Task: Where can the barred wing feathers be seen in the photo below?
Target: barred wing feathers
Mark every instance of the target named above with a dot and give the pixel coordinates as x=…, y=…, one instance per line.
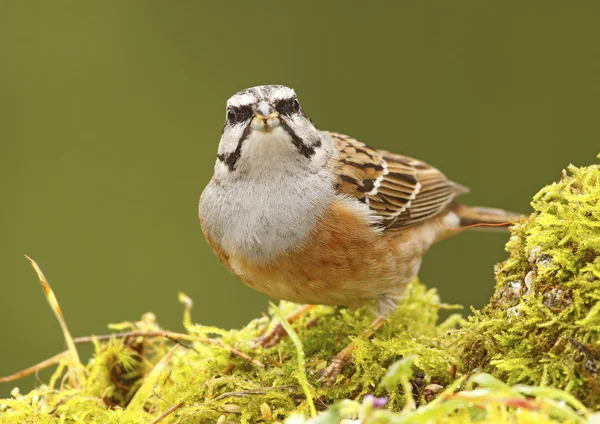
x=401, y=190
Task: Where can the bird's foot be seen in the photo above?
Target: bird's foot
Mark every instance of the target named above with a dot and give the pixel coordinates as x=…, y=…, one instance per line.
x=330, y=373
x=343, y=357
x=273, y=337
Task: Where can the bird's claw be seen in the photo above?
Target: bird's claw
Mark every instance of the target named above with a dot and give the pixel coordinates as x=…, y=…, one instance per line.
x=272, y=338
x=330, y=373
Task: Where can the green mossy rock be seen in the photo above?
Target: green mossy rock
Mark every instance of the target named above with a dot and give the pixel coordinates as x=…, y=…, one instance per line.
x=530, y=356
x=542, y=325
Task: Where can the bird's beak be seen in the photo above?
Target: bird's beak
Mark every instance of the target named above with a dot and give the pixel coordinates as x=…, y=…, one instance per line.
x=265, y=118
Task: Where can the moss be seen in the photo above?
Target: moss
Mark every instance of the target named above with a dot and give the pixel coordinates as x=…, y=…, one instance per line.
x=537, y=342
x=211, y=382
x=542, y=324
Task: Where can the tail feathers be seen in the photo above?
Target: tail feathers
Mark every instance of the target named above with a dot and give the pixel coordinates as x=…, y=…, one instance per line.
x=486, y=218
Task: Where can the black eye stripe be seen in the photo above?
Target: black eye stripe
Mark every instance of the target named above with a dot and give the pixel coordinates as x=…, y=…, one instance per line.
x=242, y=113
x=287, y=106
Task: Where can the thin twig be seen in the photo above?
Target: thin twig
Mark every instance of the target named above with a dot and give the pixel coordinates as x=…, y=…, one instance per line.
x=167, y=413
x=182, y=344
x=174, y=336
x=35, y=368
x=245, y=393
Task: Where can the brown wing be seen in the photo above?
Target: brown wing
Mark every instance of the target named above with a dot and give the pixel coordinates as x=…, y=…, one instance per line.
x=401, y=190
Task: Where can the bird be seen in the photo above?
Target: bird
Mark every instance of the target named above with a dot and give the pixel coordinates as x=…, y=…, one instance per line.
x=320, y=218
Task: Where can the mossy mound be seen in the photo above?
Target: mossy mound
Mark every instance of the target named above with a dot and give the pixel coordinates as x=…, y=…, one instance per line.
x=209, y=381
x=540, y=328
x=542, y=325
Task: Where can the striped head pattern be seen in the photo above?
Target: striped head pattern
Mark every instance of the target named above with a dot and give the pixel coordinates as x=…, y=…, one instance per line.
x=267, y=130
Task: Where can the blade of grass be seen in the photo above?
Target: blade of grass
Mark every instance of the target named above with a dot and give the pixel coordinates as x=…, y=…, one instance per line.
x=439, y=407
x=187, y=311
x=301, y=371
x=76, y=376
x=400, y=372
x=136, y=406
x=550, y=392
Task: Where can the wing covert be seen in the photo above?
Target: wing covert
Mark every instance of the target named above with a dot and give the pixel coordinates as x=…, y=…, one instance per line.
x=401, y=190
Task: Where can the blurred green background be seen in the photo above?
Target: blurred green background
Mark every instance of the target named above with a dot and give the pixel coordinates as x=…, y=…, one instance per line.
x=110, y=116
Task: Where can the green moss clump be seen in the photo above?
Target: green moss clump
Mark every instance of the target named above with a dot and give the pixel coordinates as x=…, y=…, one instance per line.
x=542, y=325
x=210, y=382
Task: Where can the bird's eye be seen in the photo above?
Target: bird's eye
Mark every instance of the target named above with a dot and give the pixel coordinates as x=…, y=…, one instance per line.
x=231, y=117
x=288, y=106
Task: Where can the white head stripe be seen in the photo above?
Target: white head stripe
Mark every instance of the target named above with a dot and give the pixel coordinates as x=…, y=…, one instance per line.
x=261, y=92
x=241, y=100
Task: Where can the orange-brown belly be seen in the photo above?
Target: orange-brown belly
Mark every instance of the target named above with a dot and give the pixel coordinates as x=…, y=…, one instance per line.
x=346, y=262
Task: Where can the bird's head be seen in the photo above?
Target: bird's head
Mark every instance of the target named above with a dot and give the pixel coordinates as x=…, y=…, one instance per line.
x=266, y=131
